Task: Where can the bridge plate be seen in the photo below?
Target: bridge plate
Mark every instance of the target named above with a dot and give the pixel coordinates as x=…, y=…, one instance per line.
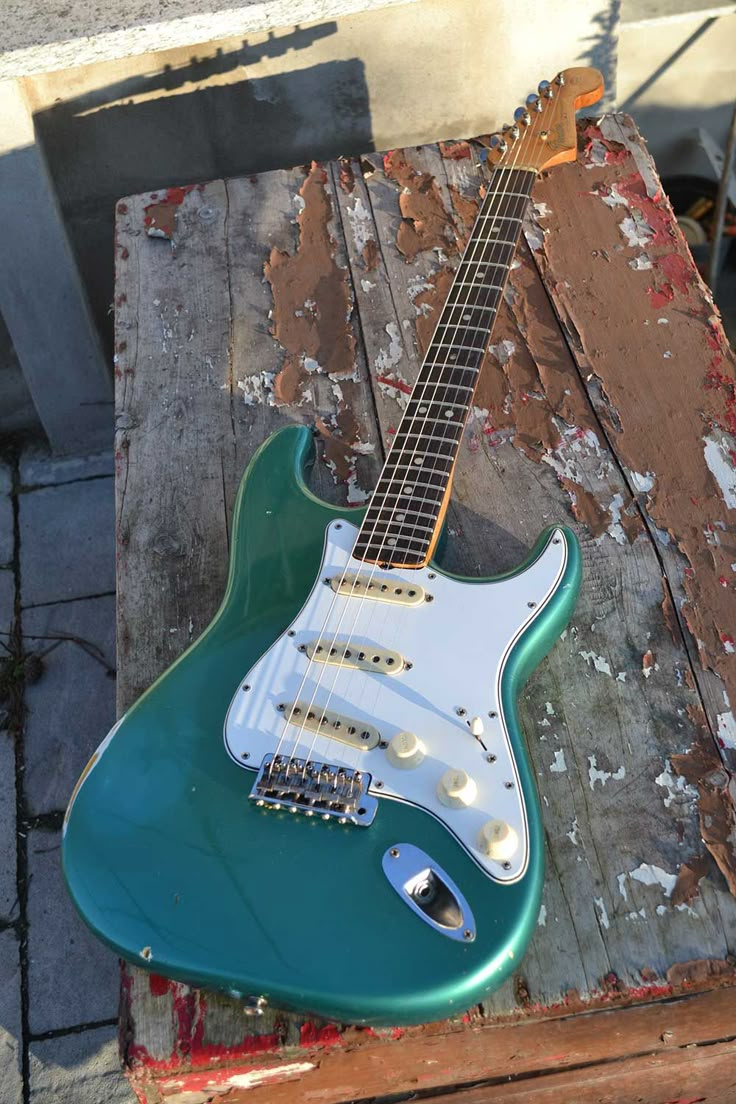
x=314, y=789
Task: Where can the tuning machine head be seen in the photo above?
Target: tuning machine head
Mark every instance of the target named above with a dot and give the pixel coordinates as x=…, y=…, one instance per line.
x=522, y=116
x=533, y=102
x=545, y=89
x=498, y=143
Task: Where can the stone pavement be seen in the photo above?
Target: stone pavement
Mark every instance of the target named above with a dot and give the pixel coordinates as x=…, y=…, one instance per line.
x=58, y=985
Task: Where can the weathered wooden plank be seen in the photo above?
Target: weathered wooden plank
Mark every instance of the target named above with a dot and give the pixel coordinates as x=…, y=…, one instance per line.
x=606, y=716
x=577, y=1050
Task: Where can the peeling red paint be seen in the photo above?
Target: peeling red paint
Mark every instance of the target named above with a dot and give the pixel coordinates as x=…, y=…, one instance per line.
x=159, y=217
x=396, y=384
x=158, y=985
x=311, y=1034
x=455, y=151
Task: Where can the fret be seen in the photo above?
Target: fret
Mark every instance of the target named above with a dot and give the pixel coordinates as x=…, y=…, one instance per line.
x=477, y=283
x=400, y=526
x=452, y=345
x=464, y=325
x=442, y=402
x=414, y=513
x=435, y=421
x=413, y=461
x=392, y=541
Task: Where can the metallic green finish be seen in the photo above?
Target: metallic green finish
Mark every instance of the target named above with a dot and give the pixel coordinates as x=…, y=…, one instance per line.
x=163, y=850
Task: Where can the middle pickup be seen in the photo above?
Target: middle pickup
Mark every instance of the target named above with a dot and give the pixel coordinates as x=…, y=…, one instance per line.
x=362, y=657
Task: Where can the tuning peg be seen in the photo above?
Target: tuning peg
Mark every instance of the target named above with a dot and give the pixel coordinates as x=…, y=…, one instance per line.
x=545, y=89
x=511, y=132
x=497, y=143
x=559, y=80
x=534, y=102
x=521, y=115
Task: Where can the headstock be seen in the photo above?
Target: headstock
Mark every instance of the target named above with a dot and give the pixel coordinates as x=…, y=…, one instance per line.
x=543, y=131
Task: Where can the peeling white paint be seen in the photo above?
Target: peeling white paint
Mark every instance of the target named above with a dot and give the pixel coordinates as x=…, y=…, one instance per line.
x=367, y=285
x=727, y=729
x=541, y=210
x=648, y=874
x=641, y=263
x=258, y=388
x=677, y=787
x=275, y=1073
x=721, y=468
x=616, y=529
x=387, y=359
x=545, y=723
x=621, y=879
x=642, y=484
x=573, y=835
x=549, y=709
x=599, y=662
x=602, y=776
x=356, y=494
x=602, y=912
x=542, y=921
x=621, y=676
x=613, y=197
x=559, y=766
x=299, y=202
x=503, y=351
x=361, y=224
x=636, y=230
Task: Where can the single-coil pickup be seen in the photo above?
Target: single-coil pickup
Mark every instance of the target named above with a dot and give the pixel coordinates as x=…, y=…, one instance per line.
x=325, y=722
x=363, y=657
x=379, y=589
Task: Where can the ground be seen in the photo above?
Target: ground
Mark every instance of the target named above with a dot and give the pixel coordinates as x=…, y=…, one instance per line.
x=58, y=985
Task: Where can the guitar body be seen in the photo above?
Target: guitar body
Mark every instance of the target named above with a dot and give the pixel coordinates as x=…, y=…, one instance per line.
x=176, y=868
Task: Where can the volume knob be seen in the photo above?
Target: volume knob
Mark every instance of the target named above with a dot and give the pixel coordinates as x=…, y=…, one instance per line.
x=498, y=840
x=456, y=789
x=405, y=751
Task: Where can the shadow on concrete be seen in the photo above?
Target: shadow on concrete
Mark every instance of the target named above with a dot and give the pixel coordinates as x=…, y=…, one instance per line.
x=168, y=133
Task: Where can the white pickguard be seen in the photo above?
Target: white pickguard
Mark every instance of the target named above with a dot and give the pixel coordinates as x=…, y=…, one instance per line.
x=457, y=644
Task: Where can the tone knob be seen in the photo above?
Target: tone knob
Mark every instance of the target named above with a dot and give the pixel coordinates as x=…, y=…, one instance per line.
x=456, y=789
x=405, y=750
x=498, y=840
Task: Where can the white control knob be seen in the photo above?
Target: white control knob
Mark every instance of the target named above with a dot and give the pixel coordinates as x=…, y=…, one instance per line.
x=405, y=751
x=456, y=789
x=498, y=840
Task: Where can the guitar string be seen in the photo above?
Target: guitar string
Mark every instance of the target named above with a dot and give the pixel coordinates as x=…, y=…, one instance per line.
x=346, y=605
x=479, y=242
x=528, y=132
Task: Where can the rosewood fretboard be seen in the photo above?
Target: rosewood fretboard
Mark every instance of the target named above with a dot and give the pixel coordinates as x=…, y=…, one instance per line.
x=405, y=512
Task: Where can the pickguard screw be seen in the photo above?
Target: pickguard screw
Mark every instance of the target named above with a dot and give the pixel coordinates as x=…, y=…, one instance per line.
x=302, y=647
x=245, y=755
x=378, y=785
x=509, y=785
x=408, y=666
x=490, y=758
x=555, y=540
x=339, y=525
x=291, y=632
x=429, y=598
x=460, y=711
x=246, y=687
x=383, y=744
x=394, y=852
x=467, y=934
x=431, y=575
x=492, y=713
x=506, y=865
x=532, y=605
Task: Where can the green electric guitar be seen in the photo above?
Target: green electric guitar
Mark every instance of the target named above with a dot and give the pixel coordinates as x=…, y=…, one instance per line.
x=326, y=804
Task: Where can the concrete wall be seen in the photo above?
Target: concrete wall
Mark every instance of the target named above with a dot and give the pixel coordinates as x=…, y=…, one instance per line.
x=399, y=76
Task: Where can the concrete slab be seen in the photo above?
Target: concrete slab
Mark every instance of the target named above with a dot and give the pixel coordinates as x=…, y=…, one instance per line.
x=83, y=1068
x=7, y=599
x=72, y=978
x=72, y=706
x=8, y=889
x=40, y=468
x=10, y=1068
x=67, y=541
x=6, y=521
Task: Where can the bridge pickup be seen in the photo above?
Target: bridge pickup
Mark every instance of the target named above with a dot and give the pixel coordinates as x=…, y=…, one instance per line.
x=401, y=593
x=314, y=789
x=343, y=653
x=326, y=722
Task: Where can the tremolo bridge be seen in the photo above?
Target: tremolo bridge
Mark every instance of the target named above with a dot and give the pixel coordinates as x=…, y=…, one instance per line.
x=314, y=789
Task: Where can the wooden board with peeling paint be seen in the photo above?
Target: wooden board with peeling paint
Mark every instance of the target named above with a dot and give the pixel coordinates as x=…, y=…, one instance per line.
x=607, y=400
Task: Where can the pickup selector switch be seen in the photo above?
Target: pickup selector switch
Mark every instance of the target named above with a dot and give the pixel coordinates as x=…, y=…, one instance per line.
x=498, y=840
x=405, y=751
x=456, y=789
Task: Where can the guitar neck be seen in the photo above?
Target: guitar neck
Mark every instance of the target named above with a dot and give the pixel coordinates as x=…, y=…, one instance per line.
x=403, y=520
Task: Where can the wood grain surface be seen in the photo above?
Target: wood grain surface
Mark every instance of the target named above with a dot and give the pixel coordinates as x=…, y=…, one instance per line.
x=606, y=401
